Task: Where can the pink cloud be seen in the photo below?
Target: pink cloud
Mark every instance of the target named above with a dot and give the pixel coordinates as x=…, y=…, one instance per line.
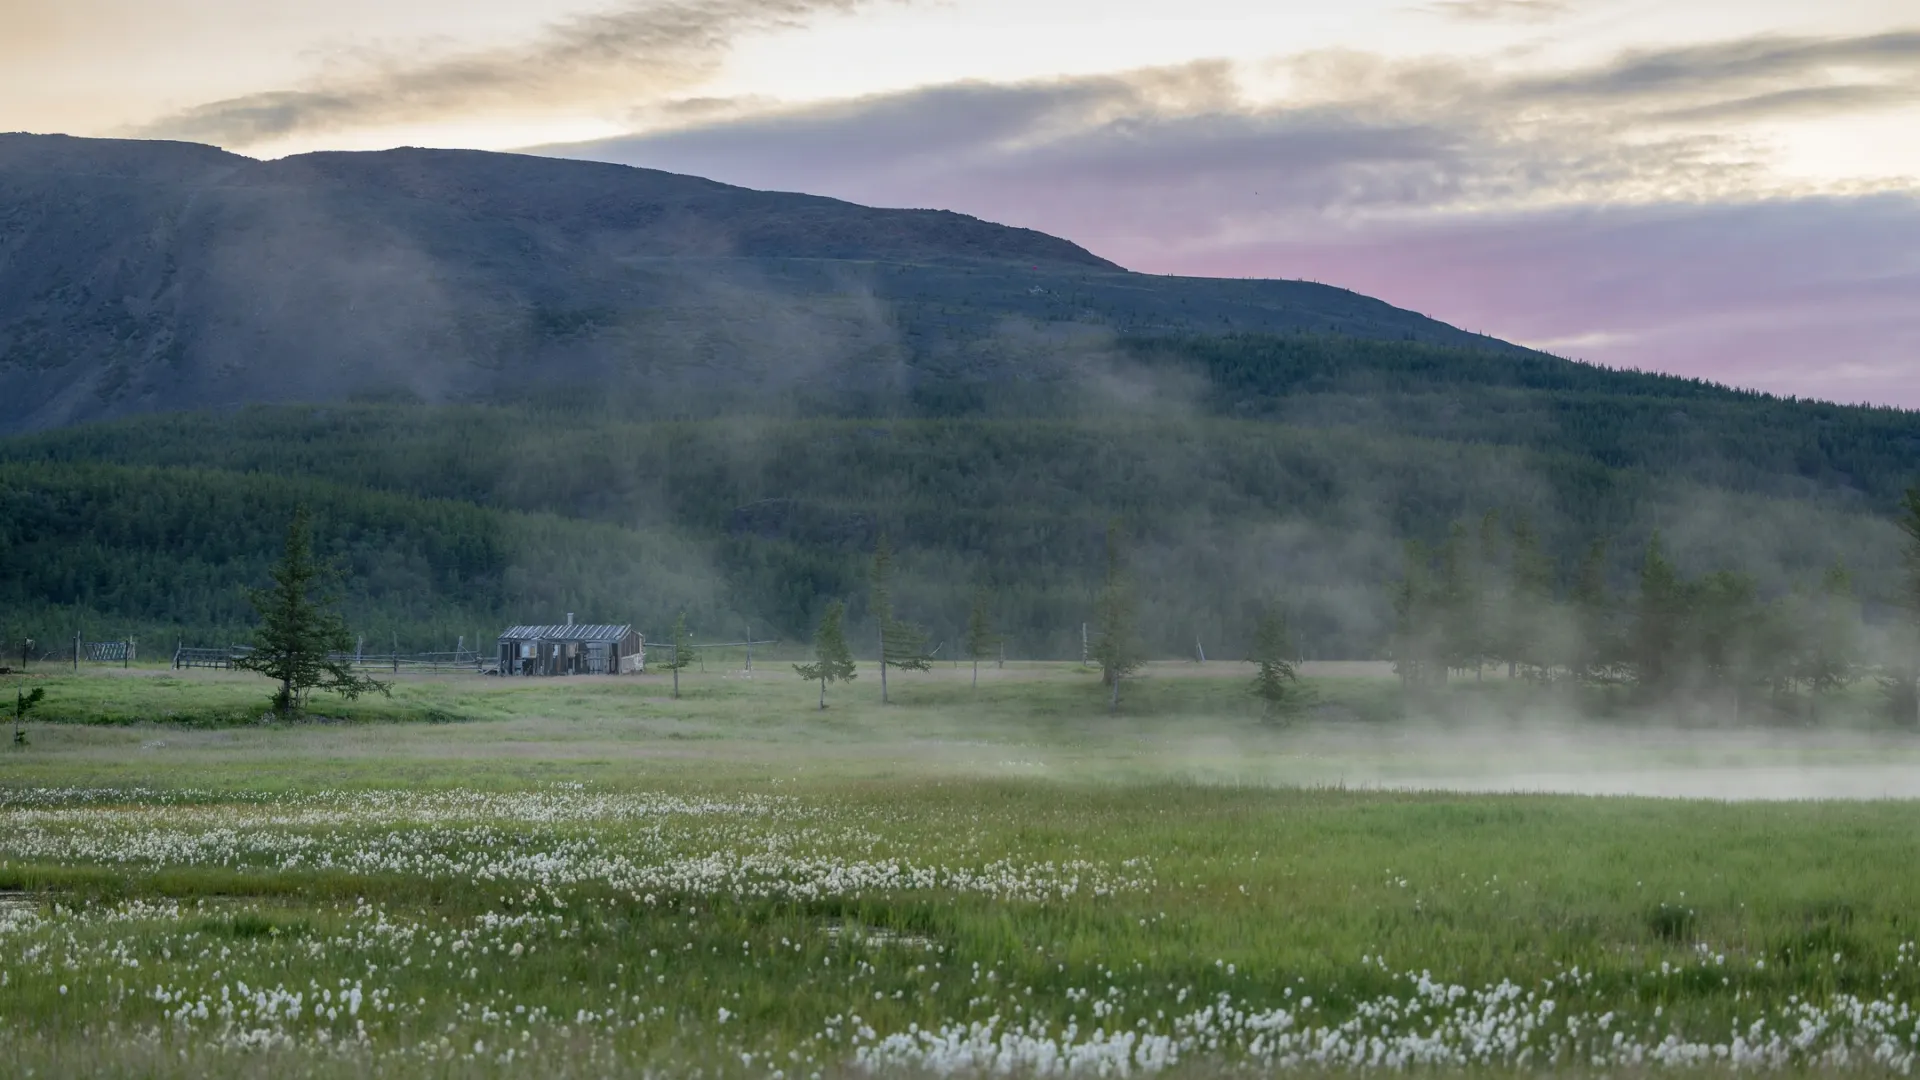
x=1809, y=296
x=1817, y=298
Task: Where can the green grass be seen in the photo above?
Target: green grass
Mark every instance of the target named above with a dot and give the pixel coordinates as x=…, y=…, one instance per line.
x=658, y=861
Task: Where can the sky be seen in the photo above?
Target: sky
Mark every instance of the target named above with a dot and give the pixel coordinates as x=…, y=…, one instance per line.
x=1727, y=189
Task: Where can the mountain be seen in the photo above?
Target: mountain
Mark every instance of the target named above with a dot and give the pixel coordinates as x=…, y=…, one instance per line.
x=150, y=276
x=514, y=387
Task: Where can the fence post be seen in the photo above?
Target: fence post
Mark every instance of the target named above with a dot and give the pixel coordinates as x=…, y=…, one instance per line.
x=76, y=653
x=749, y=648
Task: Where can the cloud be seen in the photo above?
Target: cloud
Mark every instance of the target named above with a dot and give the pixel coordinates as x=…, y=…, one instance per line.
x=1499, y=10
x=1607, y=211
x=622, y=57
x=1736, y=68
x=1808, y=296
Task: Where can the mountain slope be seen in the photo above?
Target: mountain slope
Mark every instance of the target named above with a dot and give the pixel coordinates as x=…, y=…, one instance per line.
x=766, y=519
x=152, y=276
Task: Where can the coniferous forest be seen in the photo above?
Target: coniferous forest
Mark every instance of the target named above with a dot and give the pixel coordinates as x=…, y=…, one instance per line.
x=1453, y=509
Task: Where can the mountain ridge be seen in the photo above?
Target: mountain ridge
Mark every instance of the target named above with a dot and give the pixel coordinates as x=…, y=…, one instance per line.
x=139, y=277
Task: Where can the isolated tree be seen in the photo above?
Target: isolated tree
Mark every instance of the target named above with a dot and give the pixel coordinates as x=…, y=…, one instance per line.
x=1276, y=683
x=1900, y=680
x=981, y=639
x=902, y=644
x=1116, y=646
x=1829, y=654
x=832, y=660
x=1726, y=639
x=1594, y=647
x=1462, y=604
x=1658, y=611
x=23, y=703
x=682, y=649
x=1528, y=607
x=1486, y=593
x=1413, y=623
x=299, y=628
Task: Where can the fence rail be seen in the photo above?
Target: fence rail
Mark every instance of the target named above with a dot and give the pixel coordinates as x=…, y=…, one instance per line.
x=185, y=657
x=457, y=660
x=103, y=652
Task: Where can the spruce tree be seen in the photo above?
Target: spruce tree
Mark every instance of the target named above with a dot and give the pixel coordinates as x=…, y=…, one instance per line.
x=682, y=649
x=1116, y=647
x=300, y=632
x=1277, y=680
x=23, y=703
x=1413, y=623
x=1459, y=597
x=1829, y=656
x=902, y=644
x=1594, y=646
x=1486, y=588
x=1654, y=648
x=1900, y=680
x=1724, y=638
x=981, y=638
x=1528, y=607
x=832, y=660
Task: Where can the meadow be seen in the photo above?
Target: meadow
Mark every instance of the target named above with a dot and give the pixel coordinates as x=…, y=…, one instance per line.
x=589, y=877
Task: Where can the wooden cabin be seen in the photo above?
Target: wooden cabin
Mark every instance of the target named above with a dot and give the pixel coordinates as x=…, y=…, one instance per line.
x=572, y=648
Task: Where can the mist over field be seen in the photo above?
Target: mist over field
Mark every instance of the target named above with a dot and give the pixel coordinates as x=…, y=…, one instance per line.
x=477, y=614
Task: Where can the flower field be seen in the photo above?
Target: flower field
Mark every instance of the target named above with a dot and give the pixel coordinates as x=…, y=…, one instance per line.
x=239, y=911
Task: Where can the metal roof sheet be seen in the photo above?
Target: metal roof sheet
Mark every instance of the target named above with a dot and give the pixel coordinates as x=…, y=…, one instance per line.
x=567, y=632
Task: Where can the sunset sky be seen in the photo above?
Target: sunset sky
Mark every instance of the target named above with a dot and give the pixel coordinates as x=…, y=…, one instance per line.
x=1716, y=188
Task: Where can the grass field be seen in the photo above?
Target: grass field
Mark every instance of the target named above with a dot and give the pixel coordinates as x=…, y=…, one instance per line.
x=588, y=877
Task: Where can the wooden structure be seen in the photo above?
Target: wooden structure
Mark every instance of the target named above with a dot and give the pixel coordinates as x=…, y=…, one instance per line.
x=572, y=648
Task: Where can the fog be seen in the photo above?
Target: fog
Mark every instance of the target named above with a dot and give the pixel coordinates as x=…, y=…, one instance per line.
x=1741, y=764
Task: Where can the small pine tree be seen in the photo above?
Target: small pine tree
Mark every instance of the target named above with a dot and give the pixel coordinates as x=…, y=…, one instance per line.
x=1594, y=647
x=1529, y=602
x=1116, y=647
x=1486, y=583
x=981, y=640
x=299, y=628
x=1413, y=630
x=1277, y=681
x=23, y=703
x=1657, y=621
x=1900, y=679
x=1461, y=624
x=682, y=649
x=1832, y=648
x=833, y=661
x=902, y=644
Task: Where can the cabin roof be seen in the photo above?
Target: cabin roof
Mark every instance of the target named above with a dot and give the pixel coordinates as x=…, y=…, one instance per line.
x=567, y=632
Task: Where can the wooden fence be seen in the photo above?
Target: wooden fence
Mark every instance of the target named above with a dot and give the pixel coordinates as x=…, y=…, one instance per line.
x=459, y=660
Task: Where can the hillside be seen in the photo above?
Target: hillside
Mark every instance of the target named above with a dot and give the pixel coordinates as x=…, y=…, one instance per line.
x=513, y=387
x=142, y=276
x=139, y=522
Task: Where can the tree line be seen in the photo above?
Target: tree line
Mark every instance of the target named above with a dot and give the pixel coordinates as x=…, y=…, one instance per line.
x=508, y=511
x=1489, y=596
x=1115, y=646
